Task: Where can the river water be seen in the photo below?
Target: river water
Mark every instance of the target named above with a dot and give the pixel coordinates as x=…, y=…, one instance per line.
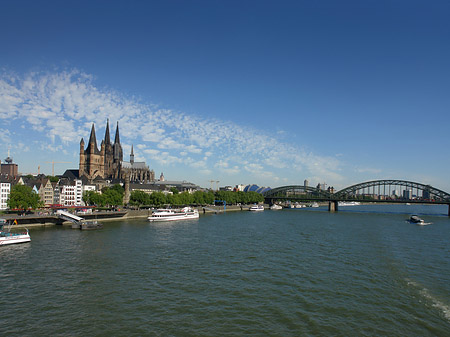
x=363, y=271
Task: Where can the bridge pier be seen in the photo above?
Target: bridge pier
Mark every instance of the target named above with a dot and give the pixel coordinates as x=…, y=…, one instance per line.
x=448, y=209
x=333, y=206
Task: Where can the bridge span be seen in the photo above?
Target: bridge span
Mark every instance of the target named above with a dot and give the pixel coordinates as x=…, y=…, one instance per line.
x=376, y=191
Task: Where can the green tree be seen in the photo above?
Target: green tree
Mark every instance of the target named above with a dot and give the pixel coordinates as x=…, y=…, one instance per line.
x=139, y=198
x=157, y=199
x=53, y=179
x=23, y=197
x=174, y=190
x=198, y=198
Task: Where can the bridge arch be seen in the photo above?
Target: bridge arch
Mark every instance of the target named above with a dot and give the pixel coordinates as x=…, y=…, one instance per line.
x=296, y=192
x=387, y=189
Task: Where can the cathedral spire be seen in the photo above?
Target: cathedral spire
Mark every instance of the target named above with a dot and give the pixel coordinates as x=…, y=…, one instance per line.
x=117, y=148
x=92, y=139
x=131, y=155
x=117, y=139
x=107, y=138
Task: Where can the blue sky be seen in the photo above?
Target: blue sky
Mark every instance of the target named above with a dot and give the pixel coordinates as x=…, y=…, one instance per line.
x=265, y=92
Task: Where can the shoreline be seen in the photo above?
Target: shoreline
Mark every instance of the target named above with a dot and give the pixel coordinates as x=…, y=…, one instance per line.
x=51, y=220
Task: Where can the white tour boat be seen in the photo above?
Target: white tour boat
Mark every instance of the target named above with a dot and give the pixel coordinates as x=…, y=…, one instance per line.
x=185, y=213
x=7, y=237
x=256, y=208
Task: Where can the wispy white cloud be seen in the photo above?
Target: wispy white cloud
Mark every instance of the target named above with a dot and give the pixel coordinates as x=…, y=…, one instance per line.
x=61, y=106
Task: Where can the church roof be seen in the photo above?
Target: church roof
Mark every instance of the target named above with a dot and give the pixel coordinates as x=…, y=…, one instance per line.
x=134, y=165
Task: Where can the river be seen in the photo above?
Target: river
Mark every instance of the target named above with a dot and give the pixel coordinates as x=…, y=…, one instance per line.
x=363, y=271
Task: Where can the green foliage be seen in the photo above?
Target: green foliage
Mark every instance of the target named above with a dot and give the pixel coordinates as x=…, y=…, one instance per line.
x=174, y=190
x=111, y=196
x=53, y=179
x=239, y=197
x=23, y=197
x=157, y=199
x=139, y=198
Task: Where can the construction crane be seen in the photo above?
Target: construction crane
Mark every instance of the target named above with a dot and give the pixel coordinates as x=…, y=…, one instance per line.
x=56, y=162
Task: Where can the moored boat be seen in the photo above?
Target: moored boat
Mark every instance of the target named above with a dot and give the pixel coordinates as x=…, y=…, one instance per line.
x=7, y=237
x=275, y=207
x=349, y=203
x=185, y=213
x=256, y=208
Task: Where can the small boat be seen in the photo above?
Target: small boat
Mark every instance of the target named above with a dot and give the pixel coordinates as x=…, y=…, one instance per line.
x=256, y=208
x=349, y=203
x=185, y=213
x=7, y=237
x=314, y=205
x=416, y=220
x=275, y=207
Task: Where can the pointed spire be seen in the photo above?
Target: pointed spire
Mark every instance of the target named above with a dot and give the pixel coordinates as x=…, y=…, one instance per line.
x=92, y=139
x=107, y=138
x=117, y=139
x=132, y=155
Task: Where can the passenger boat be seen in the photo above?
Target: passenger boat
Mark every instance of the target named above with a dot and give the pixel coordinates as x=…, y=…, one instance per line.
x=185, y=213
x=256, y=208
x=7, y=237
x=275, y=207
x=415, y=219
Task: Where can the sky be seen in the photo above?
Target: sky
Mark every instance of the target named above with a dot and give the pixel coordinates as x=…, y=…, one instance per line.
x=241, y=92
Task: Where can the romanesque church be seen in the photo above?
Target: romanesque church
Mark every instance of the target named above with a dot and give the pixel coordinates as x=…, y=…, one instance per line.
x=108, y=164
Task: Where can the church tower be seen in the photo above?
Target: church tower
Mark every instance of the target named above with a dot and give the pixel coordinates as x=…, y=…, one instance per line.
x=109, y=169
x=93, y=158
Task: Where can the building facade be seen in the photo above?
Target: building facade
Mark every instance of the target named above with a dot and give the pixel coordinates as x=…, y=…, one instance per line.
x=5, y=190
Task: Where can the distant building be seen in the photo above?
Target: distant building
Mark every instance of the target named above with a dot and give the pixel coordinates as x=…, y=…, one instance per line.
x=8, y=168
x=407, y=194
x=163, y=186
x=5, y=190
x=256, y=188
x=240, y=187
x=306, y=183
x=71, y=193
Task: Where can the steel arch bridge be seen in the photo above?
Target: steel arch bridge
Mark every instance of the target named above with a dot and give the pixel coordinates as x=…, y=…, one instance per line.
x=385, y=188
x=370, y=191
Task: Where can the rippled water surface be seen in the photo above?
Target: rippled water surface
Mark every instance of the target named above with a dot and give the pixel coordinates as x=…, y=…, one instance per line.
x=274, y=273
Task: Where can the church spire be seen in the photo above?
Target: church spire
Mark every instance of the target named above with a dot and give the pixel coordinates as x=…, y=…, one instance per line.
x=131, y=155
x=107, y=138
x=117, y=148
x=92, y=140
x=117, y=139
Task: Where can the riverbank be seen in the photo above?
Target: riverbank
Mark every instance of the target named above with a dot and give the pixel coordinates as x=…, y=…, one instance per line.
x=43, y=220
